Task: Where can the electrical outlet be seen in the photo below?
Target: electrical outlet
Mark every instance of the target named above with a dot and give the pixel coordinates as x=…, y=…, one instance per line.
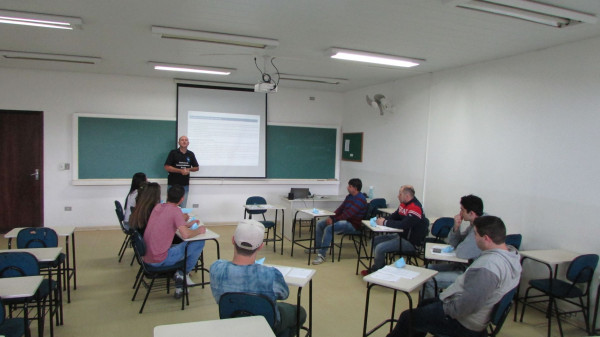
x=195, y=206
x=67, y=166
x=68, y=208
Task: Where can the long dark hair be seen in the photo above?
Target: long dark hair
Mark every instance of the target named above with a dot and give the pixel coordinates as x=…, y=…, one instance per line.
x=137, y=179
x=147, y=198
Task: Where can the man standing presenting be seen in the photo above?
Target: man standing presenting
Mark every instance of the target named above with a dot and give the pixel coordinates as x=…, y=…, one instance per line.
x=464, y=308
x=242, y=274
x=347, y=219
x=471, y=207
x=179, y=164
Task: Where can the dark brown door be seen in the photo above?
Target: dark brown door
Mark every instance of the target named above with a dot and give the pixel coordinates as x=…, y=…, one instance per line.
x=21, y=169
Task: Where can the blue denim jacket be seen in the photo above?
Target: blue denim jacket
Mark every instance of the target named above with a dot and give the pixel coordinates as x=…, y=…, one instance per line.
x=227, y=277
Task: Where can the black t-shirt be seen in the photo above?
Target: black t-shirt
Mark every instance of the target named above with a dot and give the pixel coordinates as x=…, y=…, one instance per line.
x=180, y=160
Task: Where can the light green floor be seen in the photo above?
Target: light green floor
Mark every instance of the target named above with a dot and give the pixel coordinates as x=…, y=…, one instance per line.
x=101, y=306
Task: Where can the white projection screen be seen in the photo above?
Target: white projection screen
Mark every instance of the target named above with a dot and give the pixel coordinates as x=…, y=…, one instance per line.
x=226, y=128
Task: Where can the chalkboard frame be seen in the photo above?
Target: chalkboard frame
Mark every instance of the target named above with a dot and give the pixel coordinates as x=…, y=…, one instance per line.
x=76, y=180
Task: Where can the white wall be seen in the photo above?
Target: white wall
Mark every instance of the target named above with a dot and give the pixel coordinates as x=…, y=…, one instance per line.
x=520, y=132
x=60, y=94
x=393, y=144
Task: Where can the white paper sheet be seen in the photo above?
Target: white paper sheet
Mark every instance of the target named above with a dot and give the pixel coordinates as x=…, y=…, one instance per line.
x=299, y=273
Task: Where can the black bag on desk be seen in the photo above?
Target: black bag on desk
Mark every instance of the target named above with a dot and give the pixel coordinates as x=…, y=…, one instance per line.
x=298, y=193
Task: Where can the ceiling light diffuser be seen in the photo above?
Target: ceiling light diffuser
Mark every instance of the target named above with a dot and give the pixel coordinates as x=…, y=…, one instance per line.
x=528, y=10
x=368, y=57
x=218, y=38
x=192, y=69
x=17, y=55
x=39, y=20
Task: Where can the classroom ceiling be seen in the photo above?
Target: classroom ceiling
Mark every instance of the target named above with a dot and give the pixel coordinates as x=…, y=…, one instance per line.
x=119, y=32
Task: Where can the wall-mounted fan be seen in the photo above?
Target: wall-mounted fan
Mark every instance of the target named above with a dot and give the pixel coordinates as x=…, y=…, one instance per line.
x=379, y=101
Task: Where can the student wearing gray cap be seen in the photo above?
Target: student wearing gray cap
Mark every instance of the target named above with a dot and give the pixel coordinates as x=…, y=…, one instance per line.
x=242, y=274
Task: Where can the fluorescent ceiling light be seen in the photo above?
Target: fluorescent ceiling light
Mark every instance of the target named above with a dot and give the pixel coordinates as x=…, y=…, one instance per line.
x=312, y=79
x=362, y=56
x=39, y=20
x=17, y=55
x=218, y=38
x=192, y=69
x=528, y=10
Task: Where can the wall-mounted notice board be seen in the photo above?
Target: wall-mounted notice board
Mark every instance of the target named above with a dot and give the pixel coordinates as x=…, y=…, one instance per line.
x=352, y=144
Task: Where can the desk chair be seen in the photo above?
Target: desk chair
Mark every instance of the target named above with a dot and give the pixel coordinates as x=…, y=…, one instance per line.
x=45, y=237
x=416, y=236
x=18, y=264
x=126, y=230
x=498, y=315
x=440, y=230
x=238, y=304
x=257, y=200
x=149, y=272
x=514, y=240
x=580, y=273
x=12, y=327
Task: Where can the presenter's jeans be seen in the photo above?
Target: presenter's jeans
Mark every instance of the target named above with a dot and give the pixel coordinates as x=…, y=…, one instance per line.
x=388, y=244
x=324, y=235
x=430, y=317
x=177, y=253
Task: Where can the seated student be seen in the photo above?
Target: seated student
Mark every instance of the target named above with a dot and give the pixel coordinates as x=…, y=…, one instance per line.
x=471, y=207
x=148, y=197
x=464, y=308
x=408, y=217
x=242, y=274
x=347, y=219
x=164, y=221
x=136, y=182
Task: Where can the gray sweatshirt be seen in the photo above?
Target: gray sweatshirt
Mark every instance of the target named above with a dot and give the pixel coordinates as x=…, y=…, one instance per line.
x=471, y=298
x=464, y=243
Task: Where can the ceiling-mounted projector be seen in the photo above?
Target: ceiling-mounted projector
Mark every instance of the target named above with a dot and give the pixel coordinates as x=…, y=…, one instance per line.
x=265, y=87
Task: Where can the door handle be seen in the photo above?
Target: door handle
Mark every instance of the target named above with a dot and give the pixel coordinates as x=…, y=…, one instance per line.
x=36, y=174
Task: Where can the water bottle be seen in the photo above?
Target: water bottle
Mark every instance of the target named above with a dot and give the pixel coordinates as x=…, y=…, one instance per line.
x=370, y=192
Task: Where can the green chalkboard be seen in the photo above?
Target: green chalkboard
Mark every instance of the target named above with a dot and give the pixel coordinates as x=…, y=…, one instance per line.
x=301, y=152
x=116, y=148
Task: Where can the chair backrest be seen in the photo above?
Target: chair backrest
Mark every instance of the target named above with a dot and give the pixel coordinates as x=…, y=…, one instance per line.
x=374, y=206
x=256, y=200
x=2, y=313
x=17, y=264
x=514, y=240
x=500, y=311
x=581, y=269
x=37, y=237
x=119, y=211
x=247, y=304
x=139, y=246
x=419, y=232
x=441, y=227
